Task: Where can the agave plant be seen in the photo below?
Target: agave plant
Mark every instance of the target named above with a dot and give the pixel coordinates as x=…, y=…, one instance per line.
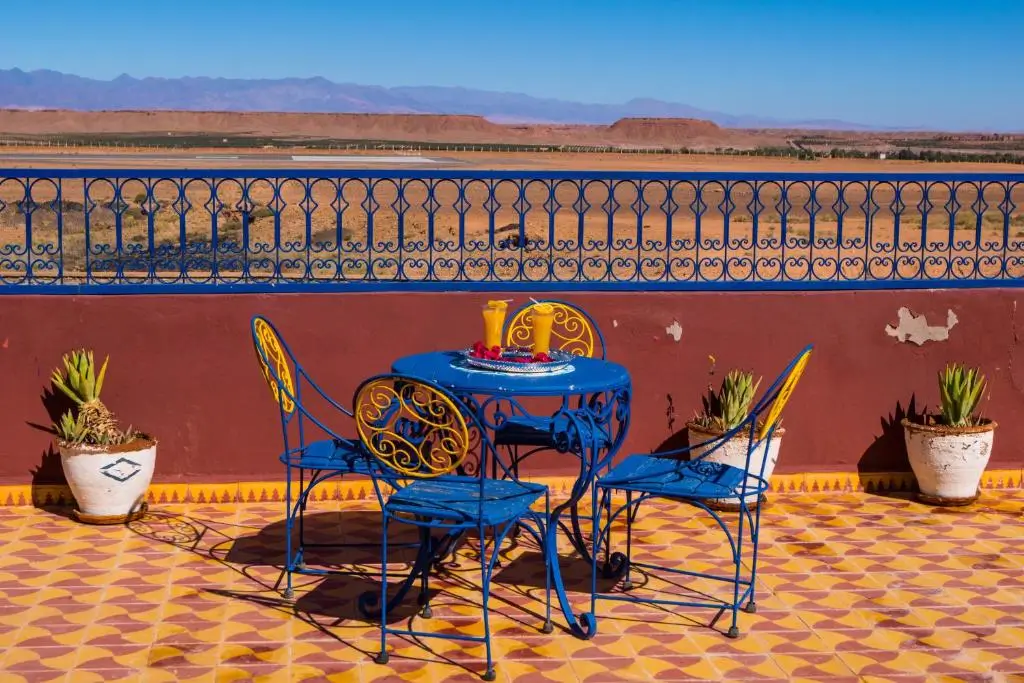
x=730, y=405
x=90, y=422
x=960, y=389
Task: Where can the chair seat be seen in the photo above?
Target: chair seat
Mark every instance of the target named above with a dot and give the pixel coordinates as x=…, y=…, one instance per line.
x=528, y=430
x=680, y=478
x=457, y=498
x=329, y=454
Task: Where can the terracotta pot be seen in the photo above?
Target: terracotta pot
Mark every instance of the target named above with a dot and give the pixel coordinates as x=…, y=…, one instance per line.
x=109, y=483
x=948, y=461
x=734, y=452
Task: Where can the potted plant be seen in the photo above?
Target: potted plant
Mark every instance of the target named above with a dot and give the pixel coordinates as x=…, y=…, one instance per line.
x=108, y=470
x=948, y=452
x=724, y=410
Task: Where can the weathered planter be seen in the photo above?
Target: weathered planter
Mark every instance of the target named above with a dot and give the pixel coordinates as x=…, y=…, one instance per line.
x=109, y=483
x=734, y=452
x=948, y=462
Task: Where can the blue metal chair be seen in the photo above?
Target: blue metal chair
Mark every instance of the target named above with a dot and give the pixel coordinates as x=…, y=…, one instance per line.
x=572, y=331
x=421, y=434
x=667, y=475
x=321, y=458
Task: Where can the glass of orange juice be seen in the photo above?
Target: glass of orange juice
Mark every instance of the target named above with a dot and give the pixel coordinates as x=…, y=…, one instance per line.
x=543, y=317
x=494, y=322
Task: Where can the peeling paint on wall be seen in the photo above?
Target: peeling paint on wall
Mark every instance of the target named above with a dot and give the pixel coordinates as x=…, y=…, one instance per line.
x=916, y=330
x=675, y=330
x=615, y=323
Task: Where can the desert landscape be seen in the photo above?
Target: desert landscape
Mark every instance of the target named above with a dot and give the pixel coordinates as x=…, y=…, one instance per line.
x=347, y=227
x=188, y=130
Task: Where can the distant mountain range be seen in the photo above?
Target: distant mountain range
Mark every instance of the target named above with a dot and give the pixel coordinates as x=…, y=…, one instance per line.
x=46, y=89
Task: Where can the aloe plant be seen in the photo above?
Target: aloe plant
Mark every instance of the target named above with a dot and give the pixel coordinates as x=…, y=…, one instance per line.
x=730, y=405
x=960, y=389
x=90, y=422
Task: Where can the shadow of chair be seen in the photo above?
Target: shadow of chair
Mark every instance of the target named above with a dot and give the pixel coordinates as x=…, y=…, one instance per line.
x=249, y=550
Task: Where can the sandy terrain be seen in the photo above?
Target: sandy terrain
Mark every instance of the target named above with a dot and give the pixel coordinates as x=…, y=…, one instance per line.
x=324, y=230
x=649, y=133
x=329, y=232
x=691, y=133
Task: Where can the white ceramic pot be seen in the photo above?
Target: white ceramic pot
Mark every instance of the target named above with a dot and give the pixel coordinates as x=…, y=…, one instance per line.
x=109, y=483
x=734, y=452
x=948, y=461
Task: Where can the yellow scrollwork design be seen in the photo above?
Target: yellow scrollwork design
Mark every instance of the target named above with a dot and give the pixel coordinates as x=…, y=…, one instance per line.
x=570, y=330
x=267, y=340
x=411, y=427
x=788, y=385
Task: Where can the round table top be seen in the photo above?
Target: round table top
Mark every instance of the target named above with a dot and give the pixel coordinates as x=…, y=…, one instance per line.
x=448, y=368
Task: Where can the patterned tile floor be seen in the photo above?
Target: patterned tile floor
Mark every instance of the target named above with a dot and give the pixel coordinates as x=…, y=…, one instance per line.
x=853, y=587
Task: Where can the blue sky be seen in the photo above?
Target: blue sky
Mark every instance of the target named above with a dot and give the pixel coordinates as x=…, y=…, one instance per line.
x=935, y=63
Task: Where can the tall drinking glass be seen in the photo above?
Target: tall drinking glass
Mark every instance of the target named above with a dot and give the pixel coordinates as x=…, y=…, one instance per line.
x=543, y=317
x=494, y=322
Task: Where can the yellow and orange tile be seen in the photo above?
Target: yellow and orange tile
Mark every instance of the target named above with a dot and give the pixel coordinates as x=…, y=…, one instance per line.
x=852, y=585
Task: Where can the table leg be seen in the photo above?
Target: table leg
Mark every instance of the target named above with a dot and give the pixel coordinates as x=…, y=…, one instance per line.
x=429, y=552
x=586, y=626
x=615, y=563
x=595, y=455
x=593, y=431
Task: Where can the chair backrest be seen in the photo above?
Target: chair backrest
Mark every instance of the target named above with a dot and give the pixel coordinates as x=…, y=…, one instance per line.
x=777, y=395
x=760, y=424
x=572, y=330
x=419, y=430
x=276, y=362
x=766, y=414
x=413, y=427
x=286, y=379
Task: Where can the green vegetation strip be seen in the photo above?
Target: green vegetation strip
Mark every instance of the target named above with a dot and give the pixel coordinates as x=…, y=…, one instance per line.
x=797, y=151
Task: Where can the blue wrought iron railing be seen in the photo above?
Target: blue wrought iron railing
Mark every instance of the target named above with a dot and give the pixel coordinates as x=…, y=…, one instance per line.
x=130, y=231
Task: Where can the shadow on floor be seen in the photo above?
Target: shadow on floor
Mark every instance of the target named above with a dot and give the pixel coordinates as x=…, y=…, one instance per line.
x=888, y=453
x=327, y=603
x=332, y=605
x=335, y=598
x=246, y=548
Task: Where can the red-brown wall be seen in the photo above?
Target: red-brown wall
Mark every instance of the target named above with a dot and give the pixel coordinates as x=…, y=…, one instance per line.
x=183, y=369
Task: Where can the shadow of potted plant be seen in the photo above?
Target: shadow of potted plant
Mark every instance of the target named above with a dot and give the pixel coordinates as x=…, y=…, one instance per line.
x=724, y=410
x=949, y=451
x=107, y=469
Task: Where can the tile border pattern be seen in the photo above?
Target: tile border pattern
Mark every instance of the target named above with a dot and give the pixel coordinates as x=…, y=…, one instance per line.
x=360, y=489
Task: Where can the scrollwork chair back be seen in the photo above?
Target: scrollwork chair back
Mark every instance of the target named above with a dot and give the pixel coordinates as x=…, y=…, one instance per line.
x=412, y=427
x=275, y=363
x=572, y=331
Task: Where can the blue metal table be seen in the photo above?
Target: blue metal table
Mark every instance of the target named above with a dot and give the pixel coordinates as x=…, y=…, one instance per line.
x=591, y=423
